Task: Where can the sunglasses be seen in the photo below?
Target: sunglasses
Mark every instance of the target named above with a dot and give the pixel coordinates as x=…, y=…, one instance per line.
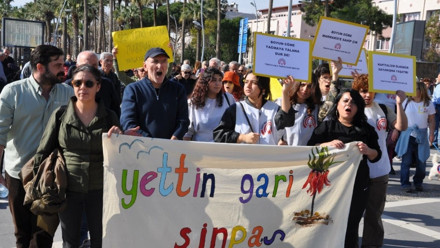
x=88, y=83
x=187, y=72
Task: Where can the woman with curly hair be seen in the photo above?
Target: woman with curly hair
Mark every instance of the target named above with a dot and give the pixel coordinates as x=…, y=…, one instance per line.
x=207, y=105
x=299, y=115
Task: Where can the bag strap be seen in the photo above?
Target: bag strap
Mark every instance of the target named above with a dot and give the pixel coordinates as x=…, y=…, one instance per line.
x=227, y=100
x=247, y=118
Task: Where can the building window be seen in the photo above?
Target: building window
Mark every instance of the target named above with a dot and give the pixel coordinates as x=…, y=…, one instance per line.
x=410, y=17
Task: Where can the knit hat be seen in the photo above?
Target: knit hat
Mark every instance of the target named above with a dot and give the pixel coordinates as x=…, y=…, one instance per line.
x=231, y=76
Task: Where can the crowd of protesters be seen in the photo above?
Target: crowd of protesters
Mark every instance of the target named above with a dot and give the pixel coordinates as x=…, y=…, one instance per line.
x=212, y=101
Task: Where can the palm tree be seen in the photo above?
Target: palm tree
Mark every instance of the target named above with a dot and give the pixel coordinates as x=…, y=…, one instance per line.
x=269, y=15
x=140, y=4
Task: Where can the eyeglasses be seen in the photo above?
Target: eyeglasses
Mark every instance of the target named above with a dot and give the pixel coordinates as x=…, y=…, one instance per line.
x=187, y=72
x=88, y=83
x=240, y=70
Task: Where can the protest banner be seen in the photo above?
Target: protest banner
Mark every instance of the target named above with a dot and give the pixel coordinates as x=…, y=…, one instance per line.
x=163, y=193
x=276, y=89
x=132, y=45
x=391, y=72
x=277, y=56
x=336, y=38
x=361, y=67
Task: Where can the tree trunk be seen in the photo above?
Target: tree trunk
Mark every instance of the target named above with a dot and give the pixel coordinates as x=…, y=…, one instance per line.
x=217, y=41
x=100, y=25
x=269, y=15
x=154, y=13
x=199, y=37
x=86, y=26
x=110, y=25
x=183, y=34
x=140, y=13
x=75, y=34
x=49, y=32
x=65, y=36
x=168, y=17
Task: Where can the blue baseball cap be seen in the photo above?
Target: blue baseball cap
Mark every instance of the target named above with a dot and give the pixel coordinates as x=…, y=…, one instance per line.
x=155, y=51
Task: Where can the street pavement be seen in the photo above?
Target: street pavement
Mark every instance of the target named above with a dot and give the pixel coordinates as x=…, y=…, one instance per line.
x=411, y=220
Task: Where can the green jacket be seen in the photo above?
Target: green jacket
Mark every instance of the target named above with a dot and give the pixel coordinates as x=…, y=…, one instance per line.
x=81, y=146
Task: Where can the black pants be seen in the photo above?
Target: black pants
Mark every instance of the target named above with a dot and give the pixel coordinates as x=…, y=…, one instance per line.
x=71, y=218
x=27, y=233
x=357, y=208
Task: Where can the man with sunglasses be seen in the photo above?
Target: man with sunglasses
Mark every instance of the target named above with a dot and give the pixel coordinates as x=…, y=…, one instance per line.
x=25, y=108
x=154, y=106
x=186, y=78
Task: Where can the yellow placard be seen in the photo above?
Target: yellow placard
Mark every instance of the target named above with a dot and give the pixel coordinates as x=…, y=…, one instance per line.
x=389, y=72
x=275, y=88
x=132, y=45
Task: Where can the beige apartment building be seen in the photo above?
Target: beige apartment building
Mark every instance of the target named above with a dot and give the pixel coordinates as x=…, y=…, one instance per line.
x=407, y=10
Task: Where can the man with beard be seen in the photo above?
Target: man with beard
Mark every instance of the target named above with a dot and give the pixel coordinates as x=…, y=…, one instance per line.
x=155, y=107
x=25, y=108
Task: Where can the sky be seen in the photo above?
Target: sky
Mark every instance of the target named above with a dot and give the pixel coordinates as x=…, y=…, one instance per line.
x=246, y=7
x=243, y=5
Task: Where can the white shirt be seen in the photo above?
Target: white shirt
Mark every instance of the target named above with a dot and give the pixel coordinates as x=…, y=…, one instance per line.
x=417, y=114
x=204, y=120
x=262, y=121
x=378, y=120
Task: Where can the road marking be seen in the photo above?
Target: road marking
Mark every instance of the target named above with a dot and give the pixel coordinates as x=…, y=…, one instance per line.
x=411, y=202
x=407, y=225
x=414, y=228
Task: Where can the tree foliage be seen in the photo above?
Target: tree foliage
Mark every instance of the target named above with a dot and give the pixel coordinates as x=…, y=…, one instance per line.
x=357, y=11
x=432, y=33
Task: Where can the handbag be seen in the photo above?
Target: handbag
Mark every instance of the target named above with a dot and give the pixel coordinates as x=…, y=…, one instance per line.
x=46, y=191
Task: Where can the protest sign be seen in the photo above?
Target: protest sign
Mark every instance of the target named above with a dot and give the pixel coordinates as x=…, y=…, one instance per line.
x=132, y=45
x=361, y=67
x=336, y=38
x=391, y=72
x=277, y=56
x=163, y=193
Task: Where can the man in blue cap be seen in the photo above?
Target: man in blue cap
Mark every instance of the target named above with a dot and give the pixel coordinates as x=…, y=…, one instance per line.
x=153, y=106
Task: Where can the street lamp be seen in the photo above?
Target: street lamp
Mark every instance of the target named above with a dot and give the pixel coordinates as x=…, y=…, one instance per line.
x=256, y=12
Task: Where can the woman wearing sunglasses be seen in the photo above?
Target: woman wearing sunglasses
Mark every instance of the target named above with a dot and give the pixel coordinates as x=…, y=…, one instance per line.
x=78, y=133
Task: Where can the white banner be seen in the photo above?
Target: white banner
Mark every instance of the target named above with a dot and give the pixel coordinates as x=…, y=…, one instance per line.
x=163, y=193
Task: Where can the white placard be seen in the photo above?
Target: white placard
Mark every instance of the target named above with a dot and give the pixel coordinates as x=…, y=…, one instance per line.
x=391, y=72
x=361, y=67
x=335, y=38
x=276, y=56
